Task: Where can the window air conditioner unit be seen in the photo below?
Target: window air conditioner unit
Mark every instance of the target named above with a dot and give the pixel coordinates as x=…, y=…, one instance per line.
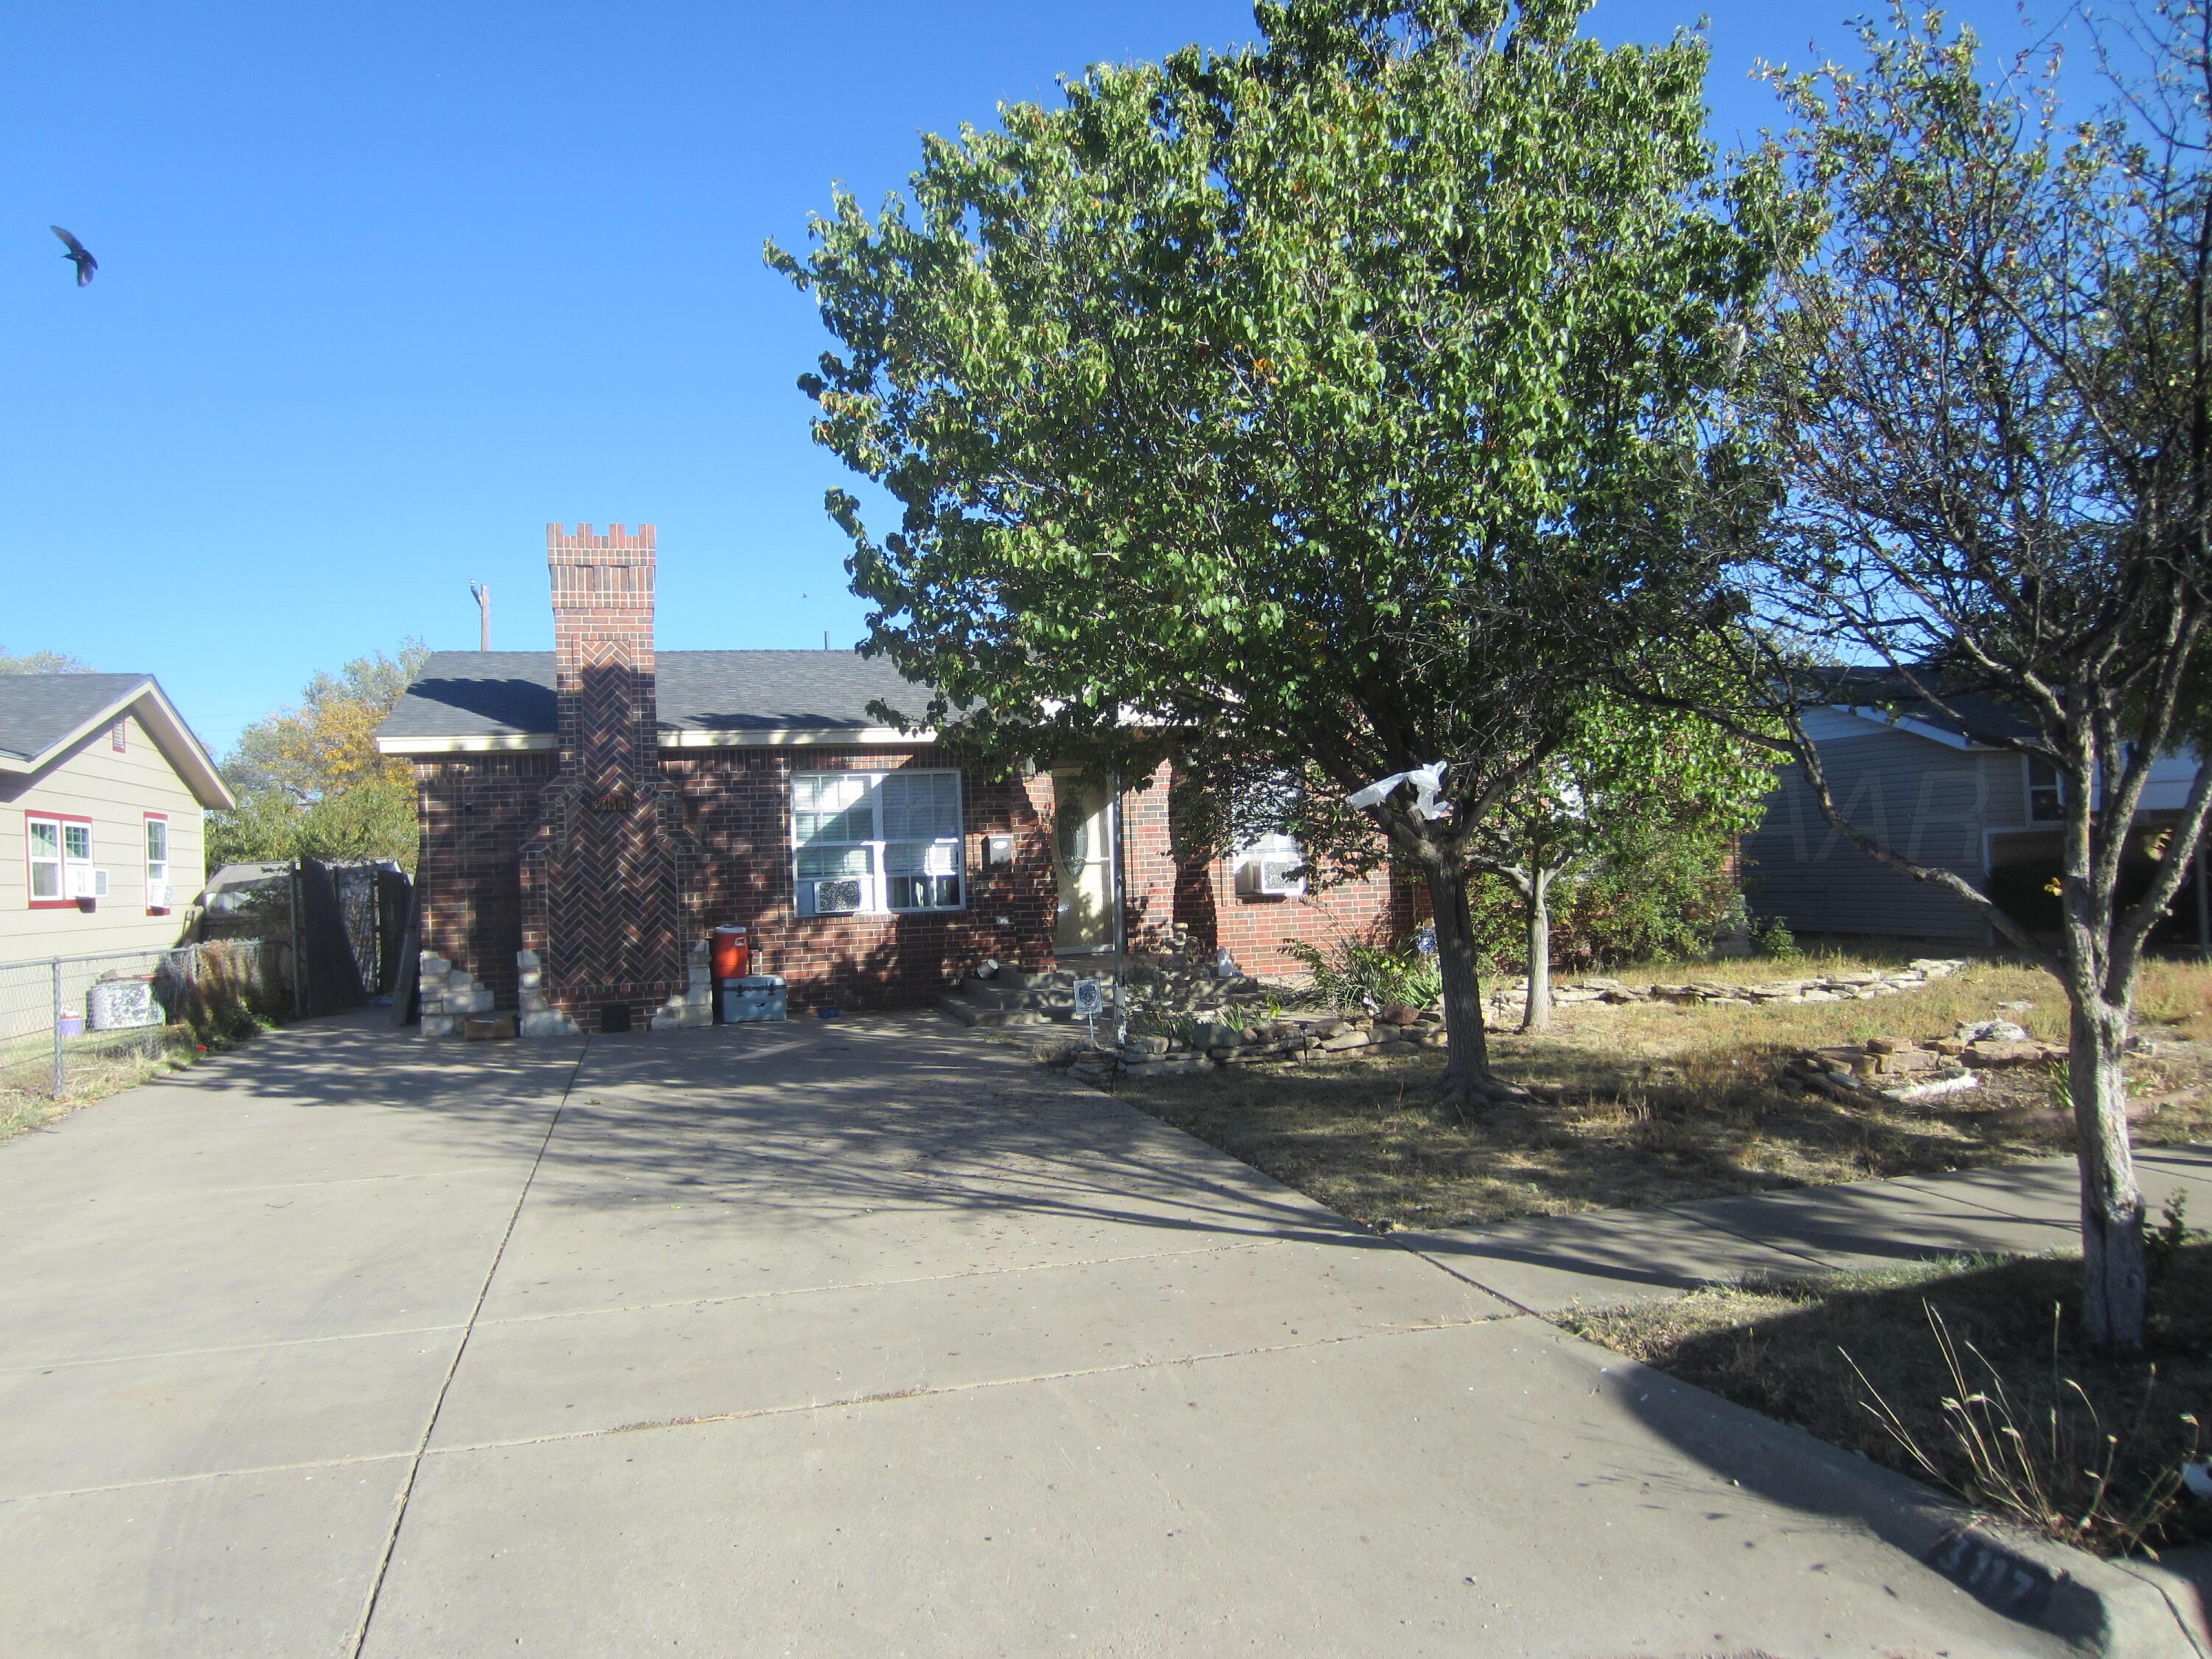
x=1271, y=877
x=157, y=895
x=838, y=895
x=87, y=883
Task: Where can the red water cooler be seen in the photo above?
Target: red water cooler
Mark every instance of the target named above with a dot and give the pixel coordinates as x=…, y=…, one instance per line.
x=732, y=955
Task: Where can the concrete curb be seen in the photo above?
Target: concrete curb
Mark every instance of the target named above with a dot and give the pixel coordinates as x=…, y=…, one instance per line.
x=2130, y=1610
x=2119, y=1611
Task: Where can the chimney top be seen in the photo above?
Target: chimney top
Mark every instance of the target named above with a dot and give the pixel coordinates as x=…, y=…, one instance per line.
x=582, y=540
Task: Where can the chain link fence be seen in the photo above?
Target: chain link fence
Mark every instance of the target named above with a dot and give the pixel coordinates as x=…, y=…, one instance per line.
x=73, y=1025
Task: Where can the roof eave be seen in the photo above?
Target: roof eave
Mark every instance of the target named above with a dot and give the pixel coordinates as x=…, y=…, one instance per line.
x=778, y=737
x=1918, y=728
x=176, y=740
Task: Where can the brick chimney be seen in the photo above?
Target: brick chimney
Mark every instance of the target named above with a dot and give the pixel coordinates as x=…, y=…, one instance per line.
x=603, y=651
x=610, y=887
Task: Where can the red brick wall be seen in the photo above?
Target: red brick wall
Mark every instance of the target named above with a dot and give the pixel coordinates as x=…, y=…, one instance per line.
x=476, y=809
x=738, y=804
x=1200, y=895
x=474, y=812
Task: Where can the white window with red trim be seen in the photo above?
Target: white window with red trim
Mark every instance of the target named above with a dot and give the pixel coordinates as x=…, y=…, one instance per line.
x=872, y=842
x=58, y=850
x=157, y=864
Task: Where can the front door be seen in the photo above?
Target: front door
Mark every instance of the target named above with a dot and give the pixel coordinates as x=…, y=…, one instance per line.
x=1083, y=851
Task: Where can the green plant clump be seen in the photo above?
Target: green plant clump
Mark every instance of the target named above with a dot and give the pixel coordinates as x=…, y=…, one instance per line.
x=1352, y=973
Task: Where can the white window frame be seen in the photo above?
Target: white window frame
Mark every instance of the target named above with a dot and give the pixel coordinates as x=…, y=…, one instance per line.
x=157, y=869
x=62, y=863
x=877, y=878
x=2054, y=788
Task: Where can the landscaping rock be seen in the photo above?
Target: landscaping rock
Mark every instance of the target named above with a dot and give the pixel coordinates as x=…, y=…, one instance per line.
x=1951, y=1083
x=1992, y=1031
x=1991, y=1055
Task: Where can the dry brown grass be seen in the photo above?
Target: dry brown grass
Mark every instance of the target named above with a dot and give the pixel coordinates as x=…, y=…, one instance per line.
x=1815, y=1352
x=93, y=1070
x=1673, y=1103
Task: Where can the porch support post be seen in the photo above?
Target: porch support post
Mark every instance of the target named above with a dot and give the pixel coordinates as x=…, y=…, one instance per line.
x=1121, y=912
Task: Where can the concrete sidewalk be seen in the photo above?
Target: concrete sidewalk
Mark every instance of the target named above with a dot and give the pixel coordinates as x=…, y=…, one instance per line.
x=1607, y=1258
x=836, y=1339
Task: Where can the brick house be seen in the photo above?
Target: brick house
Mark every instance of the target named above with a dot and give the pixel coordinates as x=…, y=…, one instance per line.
x=605, y=806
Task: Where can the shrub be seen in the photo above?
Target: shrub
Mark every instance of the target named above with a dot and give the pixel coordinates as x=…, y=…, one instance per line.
x=1351, y=973
x=215, y=991
x=1770, y=936
x=1664, y=897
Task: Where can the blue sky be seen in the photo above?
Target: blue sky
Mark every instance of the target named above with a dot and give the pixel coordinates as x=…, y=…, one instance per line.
x=385, y=289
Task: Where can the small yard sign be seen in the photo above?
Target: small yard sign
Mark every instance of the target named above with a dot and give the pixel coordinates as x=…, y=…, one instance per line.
x=1090, y=998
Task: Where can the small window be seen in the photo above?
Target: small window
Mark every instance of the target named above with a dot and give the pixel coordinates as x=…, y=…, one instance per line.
x=45, y=859
x=157, y=863
x=118, y=736
x=2046, y=794
x=877, y=840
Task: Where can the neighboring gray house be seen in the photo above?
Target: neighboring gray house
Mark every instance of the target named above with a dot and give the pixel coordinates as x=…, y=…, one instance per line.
x=1935, y=786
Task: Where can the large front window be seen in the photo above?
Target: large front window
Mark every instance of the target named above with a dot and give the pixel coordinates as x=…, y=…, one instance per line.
x=877, y=842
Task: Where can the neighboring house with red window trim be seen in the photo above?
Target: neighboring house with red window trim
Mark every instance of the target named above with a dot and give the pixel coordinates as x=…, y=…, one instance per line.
x=104, y=791
x=604, y=805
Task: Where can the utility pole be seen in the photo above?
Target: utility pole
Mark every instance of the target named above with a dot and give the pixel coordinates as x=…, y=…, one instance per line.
x=481, y=593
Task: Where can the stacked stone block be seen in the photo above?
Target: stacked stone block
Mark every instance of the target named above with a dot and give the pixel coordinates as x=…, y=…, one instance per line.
x=695, y=1003
x=449, y=995
x=540, y=1018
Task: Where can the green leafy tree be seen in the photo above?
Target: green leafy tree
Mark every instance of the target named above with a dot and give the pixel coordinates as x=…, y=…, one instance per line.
x=1628, y=777
x=41, y=662
x=309, y=780
x=1312, y=411
x=1995, y=389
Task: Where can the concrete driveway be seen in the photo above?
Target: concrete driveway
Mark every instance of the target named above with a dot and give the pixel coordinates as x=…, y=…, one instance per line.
x=829, y=1338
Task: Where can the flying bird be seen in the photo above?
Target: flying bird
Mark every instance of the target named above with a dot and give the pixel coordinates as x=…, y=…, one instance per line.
x=78, y=255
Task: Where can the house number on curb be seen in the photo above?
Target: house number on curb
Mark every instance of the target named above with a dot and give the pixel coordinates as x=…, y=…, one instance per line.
x=1992, y=1575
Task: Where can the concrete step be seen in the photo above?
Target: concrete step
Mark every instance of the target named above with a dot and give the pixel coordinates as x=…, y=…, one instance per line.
x=970, y=1013
x=1034, y=979
x=991, y=993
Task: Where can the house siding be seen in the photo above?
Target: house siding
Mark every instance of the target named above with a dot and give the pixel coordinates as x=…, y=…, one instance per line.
x=115, y=792
x=1930, y=802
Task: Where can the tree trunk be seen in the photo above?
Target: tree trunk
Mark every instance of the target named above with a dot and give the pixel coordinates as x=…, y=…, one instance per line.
x=2115, y=1284
x=1466, y=1061
x=1536, y=1015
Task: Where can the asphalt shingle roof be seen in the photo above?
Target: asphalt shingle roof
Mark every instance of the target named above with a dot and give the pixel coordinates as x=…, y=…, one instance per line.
x=1969, y=715
x=474, y=694
x=37, y=711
